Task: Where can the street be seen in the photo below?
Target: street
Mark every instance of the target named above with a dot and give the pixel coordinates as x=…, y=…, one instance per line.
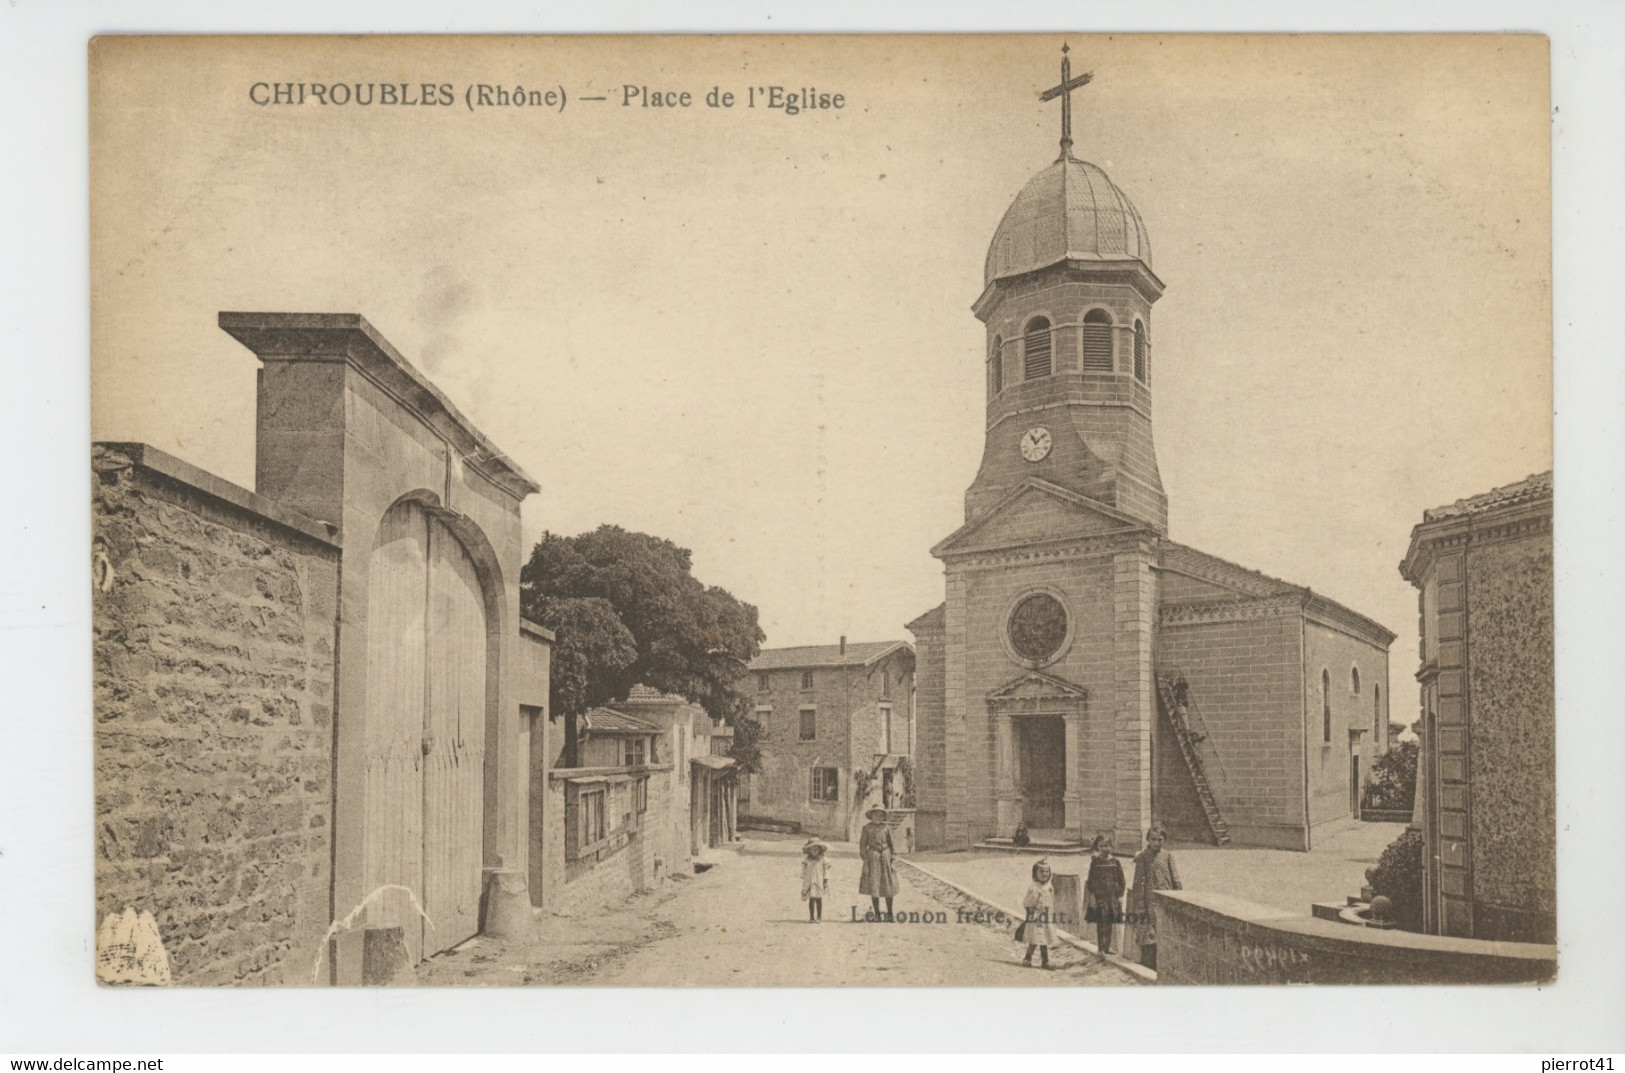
x=743, y=922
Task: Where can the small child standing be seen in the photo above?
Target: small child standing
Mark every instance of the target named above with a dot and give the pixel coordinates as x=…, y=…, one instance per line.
x=1104, y=892
x=814, y=878
x=1040, y=906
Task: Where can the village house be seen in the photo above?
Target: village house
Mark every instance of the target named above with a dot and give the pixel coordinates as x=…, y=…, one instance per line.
x=314, y=699
x=1483, y=570
x=613, y=807
x=837, y=737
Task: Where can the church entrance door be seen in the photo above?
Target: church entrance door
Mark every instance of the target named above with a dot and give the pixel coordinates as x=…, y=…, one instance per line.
x=1043, y=771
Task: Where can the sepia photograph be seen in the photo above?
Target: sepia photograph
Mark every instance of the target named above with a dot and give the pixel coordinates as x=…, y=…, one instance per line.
x=1027, y=510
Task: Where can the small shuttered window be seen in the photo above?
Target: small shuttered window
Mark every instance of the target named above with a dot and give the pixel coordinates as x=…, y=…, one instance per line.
x=1038, y=348
x=1139, y=352
x=1097, y=342
x=995, y=366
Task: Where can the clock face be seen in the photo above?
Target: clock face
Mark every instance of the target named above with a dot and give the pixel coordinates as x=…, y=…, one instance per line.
x=1035, y=444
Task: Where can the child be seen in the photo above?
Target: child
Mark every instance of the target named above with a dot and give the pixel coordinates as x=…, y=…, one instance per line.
x=1040, y=906
x=1153, y=870
x=814, y=878
x=1104, y=891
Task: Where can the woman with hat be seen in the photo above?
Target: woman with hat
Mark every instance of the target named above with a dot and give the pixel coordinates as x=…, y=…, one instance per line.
x=814, y=878
x=879, y=880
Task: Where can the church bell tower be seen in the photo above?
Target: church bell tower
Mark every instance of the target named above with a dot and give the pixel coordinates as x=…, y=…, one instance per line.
x=1067, y=304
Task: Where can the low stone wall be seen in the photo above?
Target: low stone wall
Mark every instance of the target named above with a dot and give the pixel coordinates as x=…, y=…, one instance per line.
x=1207, y=938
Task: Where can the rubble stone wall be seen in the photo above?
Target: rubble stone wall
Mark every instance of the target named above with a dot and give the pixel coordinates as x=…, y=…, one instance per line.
x=214, y=619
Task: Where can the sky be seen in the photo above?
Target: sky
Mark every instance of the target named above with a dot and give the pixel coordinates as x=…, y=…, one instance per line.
x=750, y=332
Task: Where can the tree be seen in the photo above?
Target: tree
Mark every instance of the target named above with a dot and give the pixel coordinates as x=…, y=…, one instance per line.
x=627, y=610
x=1392, y=786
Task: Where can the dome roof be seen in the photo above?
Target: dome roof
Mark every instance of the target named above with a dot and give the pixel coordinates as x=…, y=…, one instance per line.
x=1068, y=210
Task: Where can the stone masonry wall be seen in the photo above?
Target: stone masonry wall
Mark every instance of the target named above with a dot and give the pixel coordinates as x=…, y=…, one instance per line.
x=1089, y=662
x=1244, y=672
x=609, y=875
x=1513, y=740
x=1353, y=710
x=213, y=647
x=931, y=761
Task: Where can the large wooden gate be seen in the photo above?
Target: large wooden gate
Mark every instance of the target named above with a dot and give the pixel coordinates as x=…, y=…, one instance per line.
x=425, y=732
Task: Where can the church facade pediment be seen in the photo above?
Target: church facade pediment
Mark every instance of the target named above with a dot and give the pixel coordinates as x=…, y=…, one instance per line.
x=1034, y=511
x=1038, y=692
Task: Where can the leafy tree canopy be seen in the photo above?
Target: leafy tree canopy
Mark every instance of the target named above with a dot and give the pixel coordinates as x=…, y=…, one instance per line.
x=627, y=609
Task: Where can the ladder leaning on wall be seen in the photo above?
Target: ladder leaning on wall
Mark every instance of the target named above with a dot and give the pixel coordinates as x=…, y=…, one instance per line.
x=1177, y=710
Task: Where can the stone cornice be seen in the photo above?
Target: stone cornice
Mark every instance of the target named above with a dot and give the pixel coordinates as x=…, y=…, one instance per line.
x=1203, y=614
x=1059, y=548
x=1329, y=613
x=1517, y=521
x=1130, y=271
x=348, y=338
x=1035, y=692
x=1116, y=521
x=110, y=457
x=1311, y=605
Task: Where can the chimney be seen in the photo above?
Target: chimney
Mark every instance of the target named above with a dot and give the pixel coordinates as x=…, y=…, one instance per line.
x=843, y=646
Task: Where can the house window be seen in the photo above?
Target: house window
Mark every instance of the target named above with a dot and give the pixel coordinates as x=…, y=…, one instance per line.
x=1097, y=342
x=635, y=752
x=1378, y=738
x=826, y=784
x=885, y=681
x=1139, y=352
x=1354, y=680
x=764, y=683
x=591, y=810
x=763, y=714
x=885, y=730
x=809, y=724
x=995, y=366
x=1326, y=706
x=1038, y=349
x=806, y=680
x=640, y=795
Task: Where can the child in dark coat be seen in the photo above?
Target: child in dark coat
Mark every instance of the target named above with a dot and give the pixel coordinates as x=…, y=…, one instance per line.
x=1104, y=892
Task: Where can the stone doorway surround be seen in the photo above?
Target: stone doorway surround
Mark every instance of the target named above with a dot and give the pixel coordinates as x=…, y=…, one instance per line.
x=1036, y=694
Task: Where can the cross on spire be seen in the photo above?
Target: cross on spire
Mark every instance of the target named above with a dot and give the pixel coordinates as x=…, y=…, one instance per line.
x=1064, y=91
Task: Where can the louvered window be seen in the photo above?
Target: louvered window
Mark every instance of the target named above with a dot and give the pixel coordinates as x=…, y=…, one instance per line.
x=995, y=366
x=1139, y=352
x=1039, y=349
x=1097, y=342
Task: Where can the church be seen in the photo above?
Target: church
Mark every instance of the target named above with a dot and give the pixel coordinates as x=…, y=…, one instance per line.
x=1087, y=674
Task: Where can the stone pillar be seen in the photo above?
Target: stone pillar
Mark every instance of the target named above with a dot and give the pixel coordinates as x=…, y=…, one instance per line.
x=1135, y=697
x=1007, y=794
x=1074, y=772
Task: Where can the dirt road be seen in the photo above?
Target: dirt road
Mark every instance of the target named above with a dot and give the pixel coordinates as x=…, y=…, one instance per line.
x=743, y=923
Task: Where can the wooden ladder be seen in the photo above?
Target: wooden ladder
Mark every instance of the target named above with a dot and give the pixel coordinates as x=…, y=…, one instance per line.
x=1175, y=715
